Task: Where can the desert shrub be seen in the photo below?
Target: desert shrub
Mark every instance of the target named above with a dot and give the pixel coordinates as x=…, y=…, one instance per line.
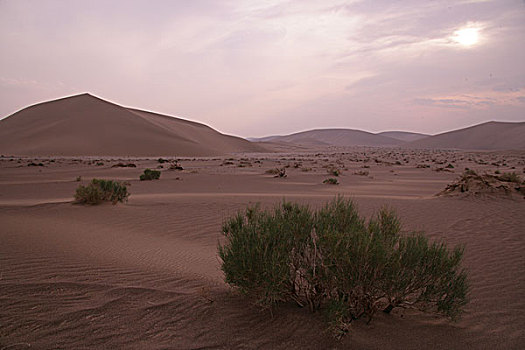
x=272, y=171
x=259, y=253
x=335, y=260
x=101, y=190
x=510, y=177
x=150, y=175
x=175, y=166
x=331, y=181
x=35, y=164
x=334, y=172
x=123, y=165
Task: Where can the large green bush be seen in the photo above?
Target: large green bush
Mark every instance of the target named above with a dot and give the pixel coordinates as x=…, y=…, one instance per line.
x=102, y=190
x=335, y=260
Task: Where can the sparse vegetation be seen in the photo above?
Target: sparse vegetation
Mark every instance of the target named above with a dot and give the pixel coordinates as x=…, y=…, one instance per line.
x=272, y=171
x=99, y=191
x=150, y=175
x=175, y=166
x=276, y=172
x=333, y=260
x=510, y=177
x=331, y=181
x=334, y=171
x=124, y=165
x=471, y=183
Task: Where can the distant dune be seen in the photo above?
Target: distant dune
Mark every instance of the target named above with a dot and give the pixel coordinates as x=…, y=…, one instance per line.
x=334, y=137
x=85, y=125
x=403, y=135
x=486, y=136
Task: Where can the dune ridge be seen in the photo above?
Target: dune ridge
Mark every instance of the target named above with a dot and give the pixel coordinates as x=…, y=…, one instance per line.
x=85, y=125
x=490, y=136
x=486, y=136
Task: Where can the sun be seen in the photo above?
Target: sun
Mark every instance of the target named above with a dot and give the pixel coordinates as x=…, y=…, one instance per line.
x=466, y=36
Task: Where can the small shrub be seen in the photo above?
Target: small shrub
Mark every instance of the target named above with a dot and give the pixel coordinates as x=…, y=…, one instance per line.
x=124, y=165
x=331, y=181
x=272, y=171
x=150, y=175
x=101, y=190
x=334, y=172
x=277, y=172
x=79, y=178
x=335, y=260
x=175, y=166
x=510, y=177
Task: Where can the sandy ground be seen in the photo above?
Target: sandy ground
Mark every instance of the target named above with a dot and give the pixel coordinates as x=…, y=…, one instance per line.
x=145, y=274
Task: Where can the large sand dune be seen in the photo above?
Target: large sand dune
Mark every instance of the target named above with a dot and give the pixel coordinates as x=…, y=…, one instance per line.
x=85, y=125
x=486, y=136
x=145, y=274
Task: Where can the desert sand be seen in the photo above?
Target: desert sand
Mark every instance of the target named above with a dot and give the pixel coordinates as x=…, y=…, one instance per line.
x=145, y=274
x=86, y=125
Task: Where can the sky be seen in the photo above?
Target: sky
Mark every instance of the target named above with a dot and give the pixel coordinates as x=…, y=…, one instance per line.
x=258, y=68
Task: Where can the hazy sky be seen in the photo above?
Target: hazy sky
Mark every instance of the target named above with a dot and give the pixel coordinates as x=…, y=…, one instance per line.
x=255, y=68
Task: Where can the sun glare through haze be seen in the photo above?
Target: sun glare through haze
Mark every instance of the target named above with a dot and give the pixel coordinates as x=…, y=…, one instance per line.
x=468, y=36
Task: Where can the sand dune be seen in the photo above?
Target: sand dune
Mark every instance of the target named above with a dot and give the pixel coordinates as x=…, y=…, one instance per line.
x=334, y=137
x=85, y=125
x=403, y=135
x=486, y=136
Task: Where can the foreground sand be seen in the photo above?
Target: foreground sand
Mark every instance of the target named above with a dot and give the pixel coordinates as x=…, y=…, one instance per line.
x=146, y=275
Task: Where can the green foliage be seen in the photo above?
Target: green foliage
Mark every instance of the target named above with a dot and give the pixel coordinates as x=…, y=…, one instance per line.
x=333, y=259
x=331, y=181
x=99, y=191
x=150, y=175
x=334, y=172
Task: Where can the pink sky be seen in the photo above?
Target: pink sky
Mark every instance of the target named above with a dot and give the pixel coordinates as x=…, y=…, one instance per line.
x=257, y=68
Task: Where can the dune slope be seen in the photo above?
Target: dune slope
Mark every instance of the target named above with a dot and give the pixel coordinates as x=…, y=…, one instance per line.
x=84, y=125
x=335, y=137
x=486, y=136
